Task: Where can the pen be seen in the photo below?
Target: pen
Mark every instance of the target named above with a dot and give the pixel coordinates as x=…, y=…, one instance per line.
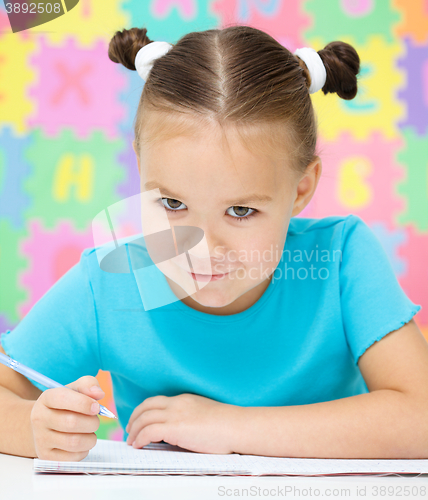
x=41, y=379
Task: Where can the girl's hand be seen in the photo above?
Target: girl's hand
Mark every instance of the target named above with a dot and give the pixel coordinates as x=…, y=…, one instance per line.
x=64, y=422
x=192, y=422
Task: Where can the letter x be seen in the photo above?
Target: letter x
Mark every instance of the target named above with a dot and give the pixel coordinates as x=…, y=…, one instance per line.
x=71, y=81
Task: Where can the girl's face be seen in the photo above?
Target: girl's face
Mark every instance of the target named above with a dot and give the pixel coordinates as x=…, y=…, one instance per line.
x=242, y=202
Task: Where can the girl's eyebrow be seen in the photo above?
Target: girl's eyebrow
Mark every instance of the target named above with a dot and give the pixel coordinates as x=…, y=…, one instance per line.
x=258, y=198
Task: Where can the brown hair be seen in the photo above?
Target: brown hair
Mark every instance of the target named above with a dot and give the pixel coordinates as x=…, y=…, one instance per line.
x=238, y=76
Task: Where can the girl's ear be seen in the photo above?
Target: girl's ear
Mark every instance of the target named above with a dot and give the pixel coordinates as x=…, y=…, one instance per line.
x=137, y=155
x=307, y=185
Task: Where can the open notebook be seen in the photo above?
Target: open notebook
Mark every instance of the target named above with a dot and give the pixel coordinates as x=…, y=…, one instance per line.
x=116, y=457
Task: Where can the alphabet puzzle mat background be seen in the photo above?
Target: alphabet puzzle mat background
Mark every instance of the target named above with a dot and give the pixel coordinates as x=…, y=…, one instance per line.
x=66, y=116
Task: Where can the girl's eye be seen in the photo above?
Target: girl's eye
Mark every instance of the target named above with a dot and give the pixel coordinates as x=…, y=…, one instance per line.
x=241, y=213
x=171, y=204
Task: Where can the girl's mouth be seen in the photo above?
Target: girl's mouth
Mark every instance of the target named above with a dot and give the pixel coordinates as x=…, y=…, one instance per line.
x=207, y=277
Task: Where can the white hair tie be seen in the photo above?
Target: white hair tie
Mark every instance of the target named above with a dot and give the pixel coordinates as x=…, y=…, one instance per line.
x=147, y=55
x=315, y=67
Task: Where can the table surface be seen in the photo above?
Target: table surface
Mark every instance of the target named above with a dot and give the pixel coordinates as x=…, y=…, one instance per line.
x=18, y=481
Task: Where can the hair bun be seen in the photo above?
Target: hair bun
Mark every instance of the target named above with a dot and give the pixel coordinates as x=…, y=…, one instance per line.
x=125, y=44
x=342, y=65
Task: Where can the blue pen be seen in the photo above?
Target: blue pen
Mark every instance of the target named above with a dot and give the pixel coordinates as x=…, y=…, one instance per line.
x=41, y=379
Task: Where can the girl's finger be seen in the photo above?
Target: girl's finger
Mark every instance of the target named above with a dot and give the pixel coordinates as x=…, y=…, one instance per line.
x=152, y=403
x=148, y=417
x=153, y=433
x=70, y=421
x=71, y=442
x=62, y=398
x=66, y=456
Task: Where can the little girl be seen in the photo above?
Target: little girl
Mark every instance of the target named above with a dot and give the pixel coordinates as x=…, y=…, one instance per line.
x=298, y=340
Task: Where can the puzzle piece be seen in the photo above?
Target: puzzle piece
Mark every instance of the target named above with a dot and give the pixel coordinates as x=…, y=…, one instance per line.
x=170, y=19
x=129, y=161
x=415, y=280
x=375, y=107
x=50, y=254
x=284, y=21
x=73, y=179
x=5, y=325
x=88, y=21
x=129, y=98
x=358, y=19
x=11, y=263
x=414, y=186
x=77, y=88
x=15, y=76
x=415, y=94
x=359, y=177
x=4, y=22
x=414, y=20
x=187, y=8
x=116, y=434
x=13, y=170
x=108, y=429
x=424, y=328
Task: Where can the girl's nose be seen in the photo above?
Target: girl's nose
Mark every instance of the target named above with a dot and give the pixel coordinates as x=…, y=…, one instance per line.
x=209, y=251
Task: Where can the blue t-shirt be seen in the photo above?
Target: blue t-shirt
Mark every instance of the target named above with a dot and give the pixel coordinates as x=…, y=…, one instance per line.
x=298, y=344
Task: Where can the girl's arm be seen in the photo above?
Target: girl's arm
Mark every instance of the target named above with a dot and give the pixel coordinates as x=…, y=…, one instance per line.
x=17, y=397
x=58, y=424
x=391, y=421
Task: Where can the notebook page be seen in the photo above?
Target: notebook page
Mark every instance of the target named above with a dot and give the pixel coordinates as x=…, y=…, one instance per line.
x=117, y=456
x=161, y=458
x=319, y=466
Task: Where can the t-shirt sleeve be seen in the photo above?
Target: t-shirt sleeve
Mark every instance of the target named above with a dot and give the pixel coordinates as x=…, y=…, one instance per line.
x=372, y=301
x=58, y=337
